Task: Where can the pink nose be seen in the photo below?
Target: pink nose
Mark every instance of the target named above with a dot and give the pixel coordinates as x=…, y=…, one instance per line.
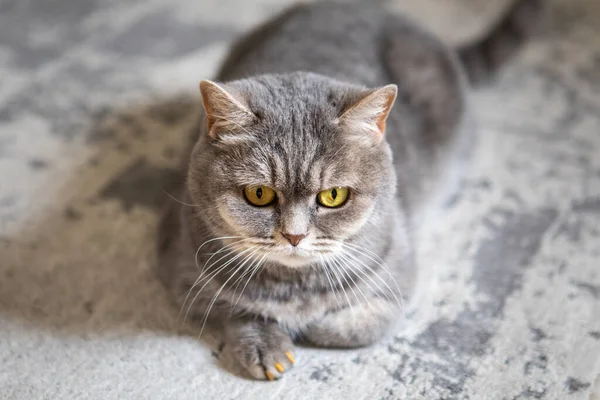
x=293, y=239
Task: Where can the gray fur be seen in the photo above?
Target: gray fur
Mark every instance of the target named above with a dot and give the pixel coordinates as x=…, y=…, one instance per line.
x=294, y=78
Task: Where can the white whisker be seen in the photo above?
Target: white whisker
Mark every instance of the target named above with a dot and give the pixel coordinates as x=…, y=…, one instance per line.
x=382, y=264
x=211, y=276
x=330, y=282
x=209, y=241
x=179, y=201
x=216, y=296
x=337, y=274
x=201, y=275
x=239, y=280
x=254, y=270
x=351, y=260
x=354, y=284
x=373, y=273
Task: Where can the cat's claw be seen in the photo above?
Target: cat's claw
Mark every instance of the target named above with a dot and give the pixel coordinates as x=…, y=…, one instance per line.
x=283, y=362
x=274, y=369
x=280, y=367
x=290, y=357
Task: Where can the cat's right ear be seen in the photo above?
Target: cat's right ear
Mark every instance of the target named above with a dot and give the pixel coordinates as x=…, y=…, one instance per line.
x=224, y=111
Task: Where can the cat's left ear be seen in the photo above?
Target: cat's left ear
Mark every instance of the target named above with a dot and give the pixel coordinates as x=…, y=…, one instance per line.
x=368, y=114
x=225, y=111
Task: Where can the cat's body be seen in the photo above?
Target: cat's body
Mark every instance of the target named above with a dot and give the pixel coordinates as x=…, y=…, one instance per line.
x=294, y=115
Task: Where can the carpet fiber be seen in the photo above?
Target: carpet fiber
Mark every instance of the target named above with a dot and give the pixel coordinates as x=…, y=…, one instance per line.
x=96, y=98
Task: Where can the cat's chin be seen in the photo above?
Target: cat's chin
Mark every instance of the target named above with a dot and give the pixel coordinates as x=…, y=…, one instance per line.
x=292, y=260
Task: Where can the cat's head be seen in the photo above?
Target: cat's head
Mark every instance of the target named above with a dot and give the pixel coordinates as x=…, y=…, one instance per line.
x=291, y=167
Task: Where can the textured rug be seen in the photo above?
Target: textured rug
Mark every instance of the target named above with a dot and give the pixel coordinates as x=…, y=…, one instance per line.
x=96, y=98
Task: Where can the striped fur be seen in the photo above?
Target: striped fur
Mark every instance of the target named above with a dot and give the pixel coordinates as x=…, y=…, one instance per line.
x=294, y=96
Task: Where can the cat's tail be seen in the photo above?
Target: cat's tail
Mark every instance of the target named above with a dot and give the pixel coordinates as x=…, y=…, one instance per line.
x=482, y=57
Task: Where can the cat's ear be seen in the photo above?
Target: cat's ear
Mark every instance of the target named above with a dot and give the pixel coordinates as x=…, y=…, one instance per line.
x=368, y=114
x=224, y=110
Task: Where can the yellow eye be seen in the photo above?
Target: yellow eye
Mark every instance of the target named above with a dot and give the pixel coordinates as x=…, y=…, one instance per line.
x=334, y=197
x=259, y=196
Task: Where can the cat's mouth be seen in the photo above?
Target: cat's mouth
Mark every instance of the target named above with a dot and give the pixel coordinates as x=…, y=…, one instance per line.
x=284, y=254
x=300, y=256
x=294, y=258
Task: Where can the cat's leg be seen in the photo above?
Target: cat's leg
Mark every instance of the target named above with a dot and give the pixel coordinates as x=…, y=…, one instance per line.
x=359, y=326
x=262, y=348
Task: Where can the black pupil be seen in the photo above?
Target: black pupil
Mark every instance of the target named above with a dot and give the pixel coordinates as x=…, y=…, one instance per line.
x=259, y=193
x=333, y=194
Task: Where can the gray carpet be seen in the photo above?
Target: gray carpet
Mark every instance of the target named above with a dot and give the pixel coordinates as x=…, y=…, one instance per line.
x=92, y=121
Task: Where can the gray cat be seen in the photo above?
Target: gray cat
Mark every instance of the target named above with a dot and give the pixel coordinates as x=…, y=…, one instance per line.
x=332, y=129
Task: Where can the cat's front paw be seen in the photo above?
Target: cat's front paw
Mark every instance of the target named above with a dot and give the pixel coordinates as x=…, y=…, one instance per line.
x=263, y=350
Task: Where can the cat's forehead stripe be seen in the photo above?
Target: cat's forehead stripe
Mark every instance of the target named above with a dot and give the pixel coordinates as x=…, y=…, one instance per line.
x=296, y=174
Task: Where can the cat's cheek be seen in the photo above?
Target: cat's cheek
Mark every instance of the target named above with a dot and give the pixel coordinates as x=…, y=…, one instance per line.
x=346, y=221
x=230, y=223
x=244, y=220
x=356, y=222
